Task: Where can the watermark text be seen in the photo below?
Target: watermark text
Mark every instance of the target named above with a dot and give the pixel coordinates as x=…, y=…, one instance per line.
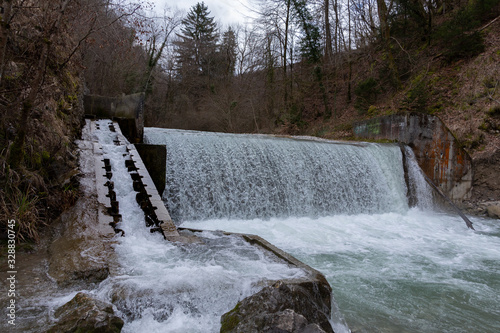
x=12, y=272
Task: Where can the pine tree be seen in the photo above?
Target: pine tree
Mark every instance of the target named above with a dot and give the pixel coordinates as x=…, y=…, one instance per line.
x=228, y=53
x=310, y=45
x=198, y=43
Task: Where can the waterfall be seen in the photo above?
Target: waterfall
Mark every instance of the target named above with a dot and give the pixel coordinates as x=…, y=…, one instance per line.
x=418, y=186
x=160, y=286
x=216, y=175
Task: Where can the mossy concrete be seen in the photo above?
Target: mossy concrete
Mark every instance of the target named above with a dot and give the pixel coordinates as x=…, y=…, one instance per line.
x=127, y=110
x=438, y=153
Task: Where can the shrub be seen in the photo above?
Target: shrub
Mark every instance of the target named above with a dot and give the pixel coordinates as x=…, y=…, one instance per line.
x=494, y=111
x=457, y=35
x=366, y=94
x=417, y=97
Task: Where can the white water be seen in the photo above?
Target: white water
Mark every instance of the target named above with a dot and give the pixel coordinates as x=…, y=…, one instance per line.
x=392, y=269
x=245, y=176
x=161, y=287
x=412, y=272
x=164, y=288
x=418, y=185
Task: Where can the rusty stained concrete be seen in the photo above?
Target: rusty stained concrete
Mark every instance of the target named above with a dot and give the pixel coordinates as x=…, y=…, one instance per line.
x=436, y=149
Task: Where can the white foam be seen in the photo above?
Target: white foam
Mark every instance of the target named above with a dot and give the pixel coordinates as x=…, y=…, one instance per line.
x=167, y=288
x=245, y=176
x=423, y=270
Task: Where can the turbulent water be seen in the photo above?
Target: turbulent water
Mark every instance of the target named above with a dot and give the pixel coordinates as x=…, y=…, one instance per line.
x=214, y=175
x=161, y=287
x=343, y=210
x=155, y=285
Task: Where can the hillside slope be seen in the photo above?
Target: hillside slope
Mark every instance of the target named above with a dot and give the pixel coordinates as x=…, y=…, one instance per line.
x=464, y=94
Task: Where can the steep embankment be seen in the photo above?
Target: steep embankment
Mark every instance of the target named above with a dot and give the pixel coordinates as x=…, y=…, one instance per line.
x=45, y=183
x=40, y=115
x=471, y=96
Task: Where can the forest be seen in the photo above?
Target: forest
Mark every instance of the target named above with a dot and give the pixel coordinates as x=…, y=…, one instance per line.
x=298, y=67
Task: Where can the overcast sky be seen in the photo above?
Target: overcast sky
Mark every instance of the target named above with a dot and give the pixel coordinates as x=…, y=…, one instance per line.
x=224, y=11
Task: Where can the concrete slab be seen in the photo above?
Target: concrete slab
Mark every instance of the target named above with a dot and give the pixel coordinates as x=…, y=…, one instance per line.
x=100, y=181
x=167, y=226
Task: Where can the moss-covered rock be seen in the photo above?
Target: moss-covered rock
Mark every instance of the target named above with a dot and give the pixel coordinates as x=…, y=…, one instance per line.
x=86, y=314
x=283, y=307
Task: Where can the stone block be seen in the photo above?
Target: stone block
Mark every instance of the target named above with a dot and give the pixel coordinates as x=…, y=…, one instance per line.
x=493, y=210
x=86, y=314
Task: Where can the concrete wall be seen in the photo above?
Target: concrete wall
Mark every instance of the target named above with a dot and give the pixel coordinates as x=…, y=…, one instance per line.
x=127, y=110
x=437, y=151
x=155, y=160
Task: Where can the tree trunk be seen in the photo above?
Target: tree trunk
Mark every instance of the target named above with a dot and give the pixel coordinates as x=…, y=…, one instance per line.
x=4, y=34
x=285, y=50
x=337, y=28
x=386, y=36
x=270, y=81
x=328, y=32
x=349, y=94
x=429, y=22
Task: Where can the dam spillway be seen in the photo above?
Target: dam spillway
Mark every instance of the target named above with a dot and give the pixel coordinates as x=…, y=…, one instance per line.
x=162, y=286
x=140, y=277
x=343, y=210
x=251, y=176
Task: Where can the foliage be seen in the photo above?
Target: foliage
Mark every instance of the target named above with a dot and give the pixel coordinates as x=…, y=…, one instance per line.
x=198, y=43
x=494, y=111
x=458, y=34
x=115, y=56
x=416, y=98
x=366, y=94
x=465, y=46
x=484, y=10
x=310, y=45
x=294, y=116
x=410, y=16
x=472, y=141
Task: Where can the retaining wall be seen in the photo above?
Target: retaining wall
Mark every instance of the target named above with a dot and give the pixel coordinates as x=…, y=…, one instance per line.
x=436, y=149
x=127, y=110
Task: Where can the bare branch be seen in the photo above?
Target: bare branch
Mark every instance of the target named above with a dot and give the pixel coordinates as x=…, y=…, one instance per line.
x=92, y=31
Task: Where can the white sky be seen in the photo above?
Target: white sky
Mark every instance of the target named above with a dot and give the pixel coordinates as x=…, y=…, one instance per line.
x=224, y=11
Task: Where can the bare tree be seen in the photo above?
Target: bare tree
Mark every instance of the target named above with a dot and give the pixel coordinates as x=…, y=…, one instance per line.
x=157, y=39
x=111, y=49
x=248, y=56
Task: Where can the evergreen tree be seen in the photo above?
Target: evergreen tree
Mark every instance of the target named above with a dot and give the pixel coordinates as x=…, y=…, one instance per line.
x=310, y=48
x=310, y=45
x=198, y=43
x=228, y=53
